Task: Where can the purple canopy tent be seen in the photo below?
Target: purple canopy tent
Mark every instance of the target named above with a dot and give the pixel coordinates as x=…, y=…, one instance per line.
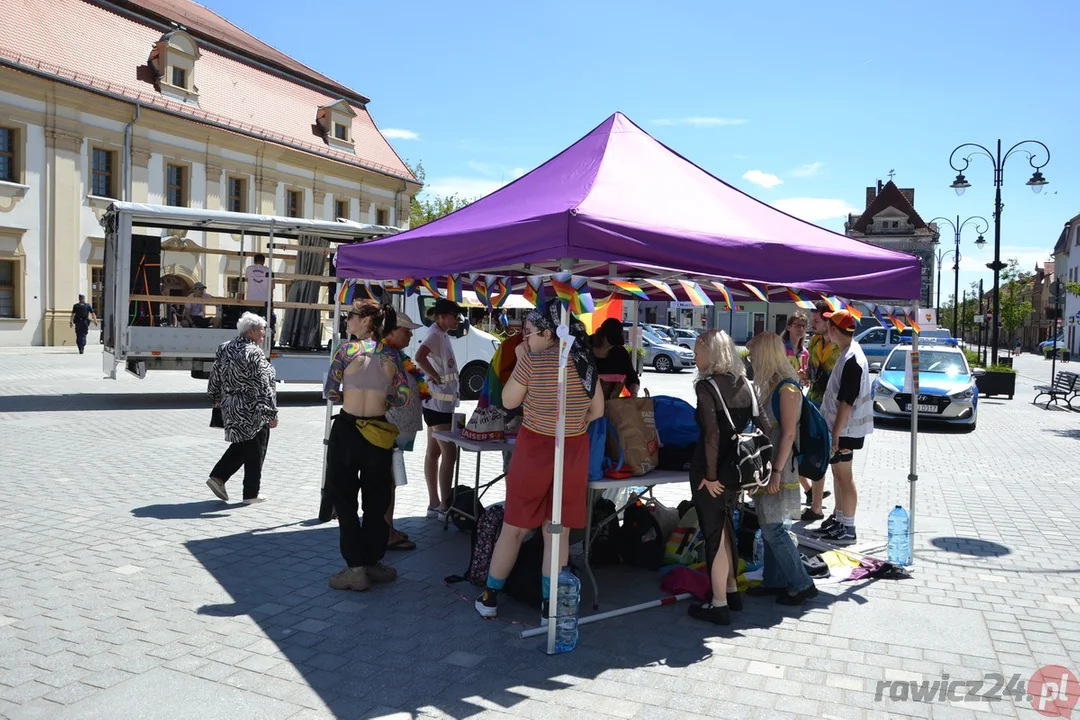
x=618, y=203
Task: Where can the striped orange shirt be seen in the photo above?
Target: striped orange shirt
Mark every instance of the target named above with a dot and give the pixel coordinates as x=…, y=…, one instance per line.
x=539, y=373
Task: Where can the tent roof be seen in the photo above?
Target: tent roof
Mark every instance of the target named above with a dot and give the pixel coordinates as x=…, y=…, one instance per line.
x=621, y=204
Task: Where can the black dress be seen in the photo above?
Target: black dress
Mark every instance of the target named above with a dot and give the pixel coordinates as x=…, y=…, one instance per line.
x=712, y=458
x=618, y=362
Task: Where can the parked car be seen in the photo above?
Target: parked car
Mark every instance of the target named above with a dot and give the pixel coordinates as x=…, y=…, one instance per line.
x=878, y=342
x=947, y=391
x=666, y=332
x=685, y=338
x=1046, y=347
x=660, y=354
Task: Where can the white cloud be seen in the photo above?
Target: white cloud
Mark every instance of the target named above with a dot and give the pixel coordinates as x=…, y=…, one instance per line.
x=808, y=170
x=814, y=209
x=399, y=134
x=701, y=121
x=764, y=179
x=470, y=188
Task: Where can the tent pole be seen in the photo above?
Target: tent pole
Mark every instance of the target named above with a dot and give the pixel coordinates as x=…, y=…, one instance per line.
x=555, y=528
x=669, y=600
x=913, y=474
x=268, y=341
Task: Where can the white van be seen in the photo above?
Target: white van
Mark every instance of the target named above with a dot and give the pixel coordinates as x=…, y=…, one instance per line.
x=473, y=348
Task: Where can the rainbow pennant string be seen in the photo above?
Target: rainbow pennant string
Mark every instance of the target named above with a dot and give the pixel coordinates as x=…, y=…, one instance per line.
x=799, y=300
x=409, y=284
x=720, y=288
x=480, y=287
x=428, y=285
x=572, y=292
x=880, y=316
x=664, y=288
x=762, y=296
x=453, y=288
x=695, y=293
x=628, y=286
x=912, y=322
x=897, y=323
x=829, y=301
x=500, y=293
x=347, y=292
x=534, y=290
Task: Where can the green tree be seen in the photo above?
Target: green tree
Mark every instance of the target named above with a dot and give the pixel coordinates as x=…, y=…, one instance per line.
x=423, y=210
x=1015, y=284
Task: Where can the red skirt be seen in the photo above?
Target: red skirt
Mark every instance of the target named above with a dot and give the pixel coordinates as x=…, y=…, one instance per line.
x=530, y=480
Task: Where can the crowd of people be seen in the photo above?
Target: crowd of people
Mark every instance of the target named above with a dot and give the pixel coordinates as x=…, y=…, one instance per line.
x=387, y=398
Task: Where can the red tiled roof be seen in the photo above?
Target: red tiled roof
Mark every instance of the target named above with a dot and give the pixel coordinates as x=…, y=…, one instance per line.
x=51, y=38
x=889, y=196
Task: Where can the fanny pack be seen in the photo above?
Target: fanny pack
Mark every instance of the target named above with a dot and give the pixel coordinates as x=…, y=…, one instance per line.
x=379, y=433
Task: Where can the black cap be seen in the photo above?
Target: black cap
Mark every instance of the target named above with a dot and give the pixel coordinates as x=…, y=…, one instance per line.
x=446, y=307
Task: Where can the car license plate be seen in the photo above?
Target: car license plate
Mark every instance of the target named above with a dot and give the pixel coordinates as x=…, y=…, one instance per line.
x=923, y=408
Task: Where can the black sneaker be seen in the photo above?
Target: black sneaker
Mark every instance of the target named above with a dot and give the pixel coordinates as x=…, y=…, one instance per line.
x=487, y=604
x=842, y=536
x=827, y=527
x=734, y=601
x=710, y=613
x=809, y=496
x=809, y=515
x=798, y=598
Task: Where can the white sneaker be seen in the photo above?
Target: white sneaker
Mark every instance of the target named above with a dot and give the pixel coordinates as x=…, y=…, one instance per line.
x=218, y=488
x=255, y=500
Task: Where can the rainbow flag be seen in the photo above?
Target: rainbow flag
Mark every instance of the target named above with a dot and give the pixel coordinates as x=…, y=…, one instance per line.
x=723, y=292
x=897, y=323
x=663, y=287
x=409, y=284
x=855, y=313
x=453, y=288
x=480, y=287
x=695, y=293
x=829, y=301
x=347, y=292
x=573, y=293
x=880, y=316
x=534, y=290
x=799, y=300
x=762, y=296
x=610, y=307
x=502, y=291
x=912, y=322
x=630, y=287
x=393, y=287
x=428, y=285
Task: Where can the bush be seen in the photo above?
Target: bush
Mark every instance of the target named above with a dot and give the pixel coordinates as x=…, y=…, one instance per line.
x=1001, y=368
x=973, y=358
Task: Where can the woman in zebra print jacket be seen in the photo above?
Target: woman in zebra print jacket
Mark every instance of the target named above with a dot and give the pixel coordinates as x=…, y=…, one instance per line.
x=242, y=385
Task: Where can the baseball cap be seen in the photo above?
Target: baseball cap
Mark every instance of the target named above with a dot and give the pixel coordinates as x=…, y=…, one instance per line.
x=406, y=322
x=841, y=319
x=446, y=307
x=199, y=286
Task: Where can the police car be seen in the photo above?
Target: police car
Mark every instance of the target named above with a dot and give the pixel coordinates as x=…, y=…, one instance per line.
x=947, y=391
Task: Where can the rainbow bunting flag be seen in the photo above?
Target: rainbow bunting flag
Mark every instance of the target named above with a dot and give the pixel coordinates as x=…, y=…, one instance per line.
x=480, y=287
x=695, y=293
x=631, y=287
x=573, y=293
x=664, y=288
x=583, y=300
x=880, y=316
x=799, y=300
x=393, y=287
x=855, y=313
x=347, y=292
x=428, y=285
x=453, y=288
x=897, y=323
x=829, y=301
x=534, y=290
x=912, y=323
x=500, y=293
x=762, y=296
x=720, y=288
x=409, y=284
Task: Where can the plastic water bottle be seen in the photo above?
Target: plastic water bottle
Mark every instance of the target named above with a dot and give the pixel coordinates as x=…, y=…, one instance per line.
x=736, y=520
x=899, y=542
x=759, y=548
x=566, y=611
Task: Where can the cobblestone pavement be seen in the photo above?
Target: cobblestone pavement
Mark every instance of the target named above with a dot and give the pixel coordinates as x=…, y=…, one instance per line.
x=127, y=591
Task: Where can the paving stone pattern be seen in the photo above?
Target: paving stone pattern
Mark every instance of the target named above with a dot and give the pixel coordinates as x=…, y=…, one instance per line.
x=127, y=590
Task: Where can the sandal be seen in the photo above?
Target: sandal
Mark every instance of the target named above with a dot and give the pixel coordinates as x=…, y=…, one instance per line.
x=402, y=543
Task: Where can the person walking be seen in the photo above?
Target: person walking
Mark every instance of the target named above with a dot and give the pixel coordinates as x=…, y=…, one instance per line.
x=366, y=380
x=533, y=386
x=436, y=358
x=82, y=314
x=848, y=410
x=778, y=388
x=722, y=391
x=242, y=384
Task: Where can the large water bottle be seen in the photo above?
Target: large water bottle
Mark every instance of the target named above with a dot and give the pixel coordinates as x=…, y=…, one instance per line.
x=899, y=541
x=736, y=520
x=759, y=549
x=566, y=611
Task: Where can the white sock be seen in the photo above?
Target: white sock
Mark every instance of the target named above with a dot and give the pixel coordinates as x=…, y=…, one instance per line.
x=839, y=517
x=849, y=522
x=719, y=603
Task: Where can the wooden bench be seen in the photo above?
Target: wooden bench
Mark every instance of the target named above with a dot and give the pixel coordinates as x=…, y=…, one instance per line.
x=1063, y=388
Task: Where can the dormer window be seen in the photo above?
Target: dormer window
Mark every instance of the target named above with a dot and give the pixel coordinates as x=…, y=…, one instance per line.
x=335, y=120
x=173, y=59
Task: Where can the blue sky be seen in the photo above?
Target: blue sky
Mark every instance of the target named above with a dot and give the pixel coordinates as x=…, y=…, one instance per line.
x=801, y=106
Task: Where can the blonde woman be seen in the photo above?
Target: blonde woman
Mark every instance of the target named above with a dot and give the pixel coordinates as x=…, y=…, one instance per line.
x=721, y=382
x=778, y=388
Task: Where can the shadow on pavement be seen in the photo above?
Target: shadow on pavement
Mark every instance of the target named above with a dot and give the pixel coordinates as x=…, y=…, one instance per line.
x=133, y=401
x=1073, y=433
x=417, y=644
x=970, y=546
x=186, y=511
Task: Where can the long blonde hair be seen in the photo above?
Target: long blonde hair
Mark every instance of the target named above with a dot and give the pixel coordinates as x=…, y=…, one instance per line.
x=723, y=357
x=770, y=361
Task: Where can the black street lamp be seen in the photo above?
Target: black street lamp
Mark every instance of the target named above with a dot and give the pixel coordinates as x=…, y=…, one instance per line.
x=981, y=226
x=960, y=184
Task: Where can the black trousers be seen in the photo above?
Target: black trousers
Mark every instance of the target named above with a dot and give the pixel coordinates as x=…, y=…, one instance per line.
x=249, y=455
x=355, y=466
x=82, y=328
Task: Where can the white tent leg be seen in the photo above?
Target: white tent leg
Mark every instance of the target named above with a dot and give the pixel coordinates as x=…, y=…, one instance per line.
x=669, y=600
x=326, y=508
x=913, y=473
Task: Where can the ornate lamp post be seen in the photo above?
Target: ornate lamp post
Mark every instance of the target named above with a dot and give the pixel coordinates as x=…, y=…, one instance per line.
x=981, y=226
x=1036, y=183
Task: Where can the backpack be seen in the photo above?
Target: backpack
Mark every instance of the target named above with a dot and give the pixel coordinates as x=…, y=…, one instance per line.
x=641, y=541
x=753, y=451
x=604, y=546
x=488, y=529
x=523, y=583
x=461, y=508
x=813, y=443
x=675, y=423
